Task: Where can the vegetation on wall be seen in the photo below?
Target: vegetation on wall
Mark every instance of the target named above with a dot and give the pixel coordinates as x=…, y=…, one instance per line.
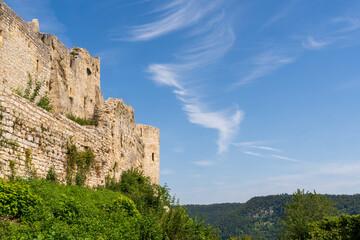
x=51, y=174
x=82, y=121
x=7, y=142
x=30, y=170
x=12, y=169
x=78, y=163
x=32, y=91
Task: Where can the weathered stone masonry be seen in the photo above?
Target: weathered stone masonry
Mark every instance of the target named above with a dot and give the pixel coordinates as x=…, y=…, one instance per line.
x=72, y=79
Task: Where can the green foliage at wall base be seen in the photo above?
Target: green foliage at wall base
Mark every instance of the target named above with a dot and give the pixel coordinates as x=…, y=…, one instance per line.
x=16, y=199
x=73, y=212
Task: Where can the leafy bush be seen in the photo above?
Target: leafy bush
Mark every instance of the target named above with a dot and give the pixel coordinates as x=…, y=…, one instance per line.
x=147, y=196
x=16, y=199
x=126, y=205
x=178, y=225
x=74, y=212
x=344, y=227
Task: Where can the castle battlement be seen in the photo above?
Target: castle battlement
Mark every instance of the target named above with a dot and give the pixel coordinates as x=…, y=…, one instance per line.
x=71, y=79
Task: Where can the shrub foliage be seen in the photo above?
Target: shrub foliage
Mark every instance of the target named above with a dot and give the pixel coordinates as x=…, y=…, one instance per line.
x=131, y=208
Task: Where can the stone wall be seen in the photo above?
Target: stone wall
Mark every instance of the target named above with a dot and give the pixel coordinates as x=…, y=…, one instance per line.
x=72, y=81
x=151, y=162
x=24, y=126
x=21, y=52
x=71, y=77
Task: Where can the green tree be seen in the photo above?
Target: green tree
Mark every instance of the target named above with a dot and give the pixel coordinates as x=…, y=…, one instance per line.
x=302, y=211
x=343, y=227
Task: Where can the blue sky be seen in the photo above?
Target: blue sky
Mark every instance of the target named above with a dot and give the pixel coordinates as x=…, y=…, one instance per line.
x=251, y=97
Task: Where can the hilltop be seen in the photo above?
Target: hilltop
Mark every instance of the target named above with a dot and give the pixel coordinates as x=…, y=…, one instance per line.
x=260, y=216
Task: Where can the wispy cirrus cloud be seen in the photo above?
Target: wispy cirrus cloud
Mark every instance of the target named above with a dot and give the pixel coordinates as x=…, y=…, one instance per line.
x=225, y=122
x=311, y=43
x=166, y=74
x=349, y=24
x=280, y=15
x=209, y=45
x=284, y=158
x=266, y=148
x=253, y=154
x=257, y=145
x=247, y=146
x=337, y=30
x=264, y=64
x=175, y=15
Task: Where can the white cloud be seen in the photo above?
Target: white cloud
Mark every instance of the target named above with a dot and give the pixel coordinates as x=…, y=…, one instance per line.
x=225, y=123
x=341, y=30
x=351, y=24
x=165, y=74
x=257, y=145
x=247, y=143
x=266, y=148
x=264, y=64
x=253, y=154
x=205, y=163
x=278, y=16
x=176, y=15
x=311, y=43
x=285, y=158
x=211, y=45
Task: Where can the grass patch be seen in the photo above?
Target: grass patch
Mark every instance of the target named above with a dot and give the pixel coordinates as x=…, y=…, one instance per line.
x=82, y=121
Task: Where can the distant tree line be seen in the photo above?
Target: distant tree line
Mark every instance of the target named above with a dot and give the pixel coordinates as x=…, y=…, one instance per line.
x=303, y=215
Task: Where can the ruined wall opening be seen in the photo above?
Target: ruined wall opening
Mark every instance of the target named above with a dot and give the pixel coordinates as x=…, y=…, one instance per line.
x=140, y=132
x=88, y=71
x=153, y=156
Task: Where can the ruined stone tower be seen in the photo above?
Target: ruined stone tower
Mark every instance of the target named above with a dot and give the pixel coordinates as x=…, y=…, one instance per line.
x=71, y=79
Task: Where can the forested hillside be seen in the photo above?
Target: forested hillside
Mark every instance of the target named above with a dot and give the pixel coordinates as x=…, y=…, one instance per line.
x=260, y=216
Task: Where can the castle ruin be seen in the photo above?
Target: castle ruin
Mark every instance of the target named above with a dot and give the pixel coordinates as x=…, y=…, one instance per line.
x=71, y=79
